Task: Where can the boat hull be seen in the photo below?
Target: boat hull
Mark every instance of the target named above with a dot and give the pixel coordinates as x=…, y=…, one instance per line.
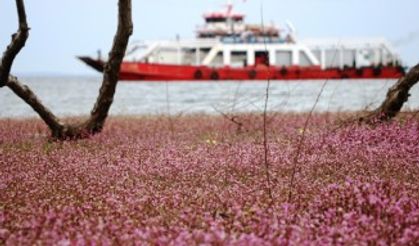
x=136, y=71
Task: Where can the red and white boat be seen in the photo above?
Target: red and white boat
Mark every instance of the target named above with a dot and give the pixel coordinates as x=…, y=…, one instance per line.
x=226, y=48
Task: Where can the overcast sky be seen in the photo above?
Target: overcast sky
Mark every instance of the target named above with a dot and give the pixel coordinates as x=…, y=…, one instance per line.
x=61, y=30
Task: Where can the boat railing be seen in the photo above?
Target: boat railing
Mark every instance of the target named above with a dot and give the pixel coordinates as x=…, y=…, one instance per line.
x=254, y=40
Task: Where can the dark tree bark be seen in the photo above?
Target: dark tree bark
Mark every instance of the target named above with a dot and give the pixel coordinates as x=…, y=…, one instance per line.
x=397, y=95
x=104, y=101
x=17, y=43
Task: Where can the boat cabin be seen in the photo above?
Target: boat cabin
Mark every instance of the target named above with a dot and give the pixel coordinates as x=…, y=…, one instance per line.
x=225, y=40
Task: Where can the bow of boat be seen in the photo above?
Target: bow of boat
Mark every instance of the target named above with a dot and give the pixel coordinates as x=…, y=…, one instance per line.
x=94, y=63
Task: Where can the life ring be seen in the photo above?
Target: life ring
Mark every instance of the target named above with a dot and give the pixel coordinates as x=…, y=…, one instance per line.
x=344, y=76
x=198, y=74
x=376, y=71
x=344, y=72
x=283, y=71
x=252, y=74
x=359, y=71
x=214, y=75
x=298, y=72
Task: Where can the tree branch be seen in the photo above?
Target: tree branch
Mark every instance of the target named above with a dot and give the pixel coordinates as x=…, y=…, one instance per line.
x=110, y=78
x=111, y=68
x=17, y=43
x=396, y=96
x=23, y=91
x=26, y=94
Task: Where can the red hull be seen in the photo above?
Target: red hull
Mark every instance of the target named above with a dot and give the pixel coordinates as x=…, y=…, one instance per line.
x=162, y=72
x=143, y=71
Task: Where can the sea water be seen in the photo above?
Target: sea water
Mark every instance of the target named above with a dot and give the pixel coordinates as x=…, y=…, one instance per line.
x=75, y=96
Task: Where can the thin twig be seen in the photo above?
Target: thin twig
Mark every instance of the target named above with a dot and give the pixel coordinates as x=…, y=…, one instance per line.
x=169, y=115
x=236, y=95
x=302, y=138
x=233, y=119
x=414, y=114
x=301, y=141
x=265, y=113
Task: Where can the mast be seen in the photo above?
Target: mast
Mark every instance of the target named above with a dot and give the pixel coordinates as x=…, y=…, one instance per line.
x=229, y=18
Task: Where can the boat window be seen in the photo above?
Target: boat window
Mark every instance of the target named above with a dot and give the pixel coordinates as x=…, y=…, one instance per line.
x=304, y=60
x=238, y=59
x=317, y=53
x=332, y=57
x=349, y=58
x=216, y=19
x=262, y=58
x=218, y=60
x=283, y=58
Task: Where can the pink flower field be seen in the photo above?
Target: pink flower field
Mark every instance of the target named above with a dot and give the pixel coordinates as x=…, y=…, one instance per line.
x=200, y=180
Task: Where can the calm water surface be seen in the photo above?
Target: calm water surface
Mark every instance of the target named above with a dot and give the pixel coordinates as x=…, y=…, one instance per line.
x=73, y=96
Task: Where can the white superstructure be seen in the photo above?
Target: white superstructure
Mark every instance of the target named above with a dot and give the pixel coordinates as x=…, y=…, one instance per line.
x=226, y=40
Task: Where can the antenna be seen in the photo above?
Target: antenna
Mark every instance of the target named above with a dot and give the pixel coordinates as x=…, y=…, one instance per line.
x=229, y=7
x=229, y=16
x=292, y=31
x=291, y=27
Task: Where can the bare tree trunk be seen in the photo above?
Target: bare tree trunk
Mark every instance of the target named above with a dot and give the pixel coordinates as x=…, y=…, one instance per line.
x=397, y=95
x=111, y=69
x=104, y=101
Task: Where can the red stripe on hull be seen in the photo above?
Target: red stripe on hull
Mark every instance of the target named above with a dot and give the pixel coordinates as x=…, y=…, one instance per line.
x=158, y=72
